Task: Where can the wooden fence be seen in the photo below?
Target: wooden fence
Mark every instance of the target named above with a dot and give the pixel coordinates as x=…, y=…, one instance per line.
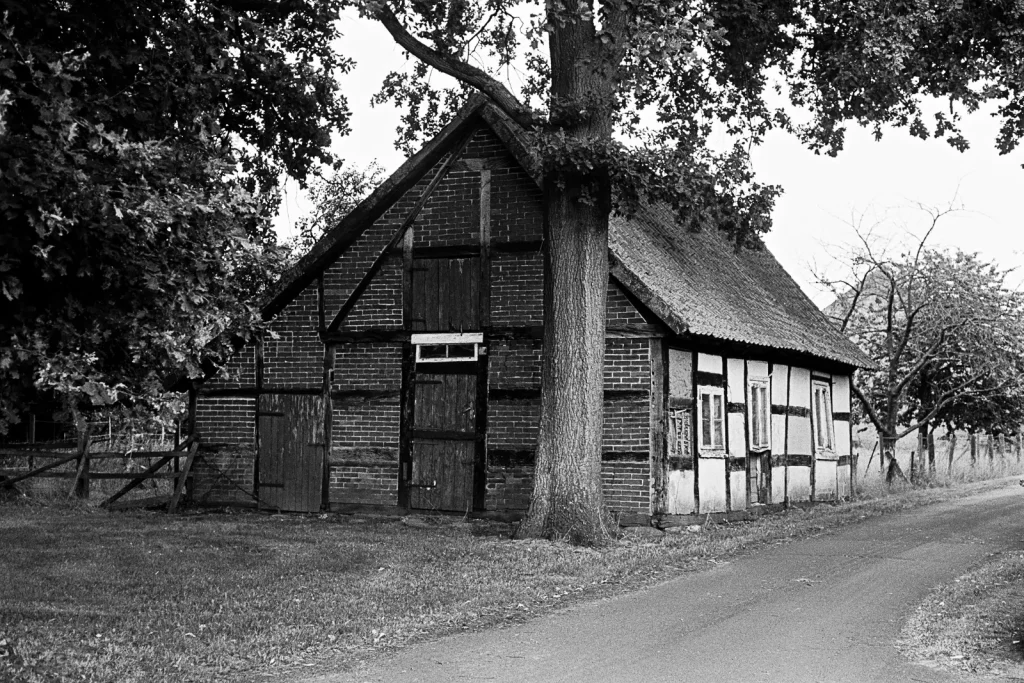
x=53, y=455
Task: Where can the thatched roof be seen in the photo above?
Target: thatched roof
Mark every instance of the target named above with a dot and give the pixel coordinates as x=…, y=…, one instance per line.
x=697, y=283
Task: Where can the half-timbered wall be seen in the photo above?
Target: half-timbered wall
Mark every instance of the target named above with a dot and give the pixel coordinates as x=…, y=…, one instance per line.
x=472, y=261
x=790, y=469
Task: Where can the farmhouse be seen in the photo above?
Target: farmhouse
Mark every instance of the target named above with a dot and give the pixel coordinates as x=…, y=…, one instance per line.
x=402, y=365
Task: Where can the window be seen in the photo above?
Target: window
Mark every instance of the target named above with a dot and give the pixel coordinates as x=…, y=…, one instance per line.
x=821, y=416
x=711, y=407
x=679, y=434
x=447, y=347
x=759, y=407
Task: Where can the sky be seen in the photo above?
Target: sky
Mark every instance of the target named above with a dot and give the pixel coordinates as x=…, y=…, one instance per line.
x=871, y=183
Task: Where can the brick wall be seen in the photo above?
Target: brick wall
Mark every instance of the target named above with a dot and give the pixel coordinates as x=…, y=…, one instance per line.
x=226, y=421
x=517, y=289
x=627, y=364
x=238, y=373
x=509, y=488
x=452, y=214
x=626, y=426
x=376, y=366
x=380, y=305
x=621, y=310
x=296, y=357
x=513, y=424
x=514, y=364
x=364, y=484
x=369, y=424
x=626, y=486
x=517, y=210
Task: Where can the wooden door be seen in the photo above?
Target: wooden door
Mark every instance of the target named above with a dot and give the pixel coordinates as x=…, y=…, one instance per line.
x=445, y=294
x=444, y=446
x=291, y=452
x=758, y=471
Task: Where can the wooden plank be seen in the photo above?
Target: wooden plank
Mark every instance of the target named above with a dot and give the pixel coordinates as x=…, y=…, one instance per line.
x=658, y=351
x=179, y=485
x=406, y=416
x=484, y=314
x=10, y=482
x=18, y=453
x=139, y=478
x=444, y=314
x=328, y=421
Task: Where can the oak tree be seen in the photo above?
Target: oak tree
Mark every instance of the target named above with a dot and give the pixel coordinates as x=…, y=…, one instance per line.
x=621, y=97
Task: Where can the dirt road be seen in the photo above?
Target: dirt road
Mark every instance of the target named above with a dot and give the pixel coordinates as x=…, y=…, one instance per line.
x=824, y=609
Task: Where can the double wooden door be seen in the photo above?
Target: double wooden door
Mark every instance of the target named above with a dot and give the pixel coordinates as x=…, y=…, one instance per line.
x=444, y=438
x=291, y=452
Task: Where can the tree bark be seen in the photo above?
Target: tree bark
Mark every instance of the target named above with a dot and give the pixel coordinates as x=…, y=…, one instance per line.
x=567, y=500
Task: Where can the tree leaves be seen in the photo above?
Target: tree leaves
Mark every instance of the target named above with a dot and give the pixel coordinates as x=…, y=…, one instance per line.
x=140, y=151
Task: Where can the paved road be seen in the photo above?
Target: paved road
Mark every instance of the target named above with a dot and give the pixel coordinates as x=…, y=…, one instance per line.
x=823, y=609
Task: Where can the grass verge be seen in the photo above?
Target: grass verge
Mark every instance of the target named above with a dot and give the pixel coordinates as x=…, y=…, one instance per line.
x=97, y=596
x=974, y=624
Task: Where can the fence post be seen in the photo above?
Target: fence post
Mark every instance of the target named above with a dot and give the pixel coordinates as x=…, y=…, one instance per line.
x=31, y=439
x=952, y=448
x=990, y=450
x=1017, y=448
x=81, y=489
x=974, y=449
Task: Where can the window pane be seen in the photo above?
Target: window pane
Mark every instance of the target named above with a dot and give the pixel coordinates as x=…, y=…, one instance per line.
x=719, y=437
x=705, y=419
x=755, y=416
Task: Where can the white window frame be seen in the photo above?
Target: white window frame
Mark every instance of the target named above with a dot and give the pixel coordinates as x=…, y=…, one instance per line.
x=703, y=391
x=447, y=339
x=762, y=386
x=824, y=434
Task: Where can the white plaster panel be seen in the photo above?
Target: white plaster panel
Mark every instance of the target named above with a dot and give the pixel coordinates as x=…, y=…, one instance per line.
x=709, y=363
x=779, y=375
x=737, y=392
x=840, y=393
x=757, y=369
x=778, y=484
x=843, y=481
x=799, y=483
x=680, y=373
x=737, y=434
x=680, y=492
x=825, y=480
x=711, y=485
x=842, y=437
x=800, y=387
x=779, y=432
x=738, y=490
x=799, y=435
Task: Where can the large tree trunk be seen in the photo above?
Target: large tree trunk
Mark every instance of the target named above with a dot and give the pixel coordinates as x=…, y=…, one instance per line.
x=567, y=501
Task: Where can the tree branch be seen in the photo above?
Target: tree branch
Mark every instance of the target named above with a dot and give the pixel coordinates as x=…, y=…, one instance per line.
x=869, y=409
x=454, y=67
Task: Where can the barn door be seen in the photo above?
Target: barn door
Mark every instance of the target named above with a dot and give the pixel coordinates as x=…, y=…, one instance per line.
x=291, y=452
x=444, y=443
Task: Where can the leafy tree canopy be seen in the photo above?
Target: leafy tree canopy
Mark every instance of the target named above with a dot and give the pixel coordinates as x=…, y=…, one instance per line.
x=140, y=144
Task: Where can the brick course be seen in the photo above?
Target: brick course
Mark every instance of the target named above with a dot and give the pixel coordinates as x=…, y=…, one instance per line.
x=369, y=484
x=371, y=424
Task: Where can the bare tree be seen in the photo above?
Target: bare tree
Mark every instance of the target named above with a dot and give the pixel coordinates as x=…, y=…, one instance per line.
x=943, y=329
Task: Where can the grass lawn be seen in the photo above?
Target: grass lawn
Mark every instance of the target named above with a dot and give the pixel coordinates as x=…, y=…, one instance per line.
x=974, y=624
x=97, y=596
